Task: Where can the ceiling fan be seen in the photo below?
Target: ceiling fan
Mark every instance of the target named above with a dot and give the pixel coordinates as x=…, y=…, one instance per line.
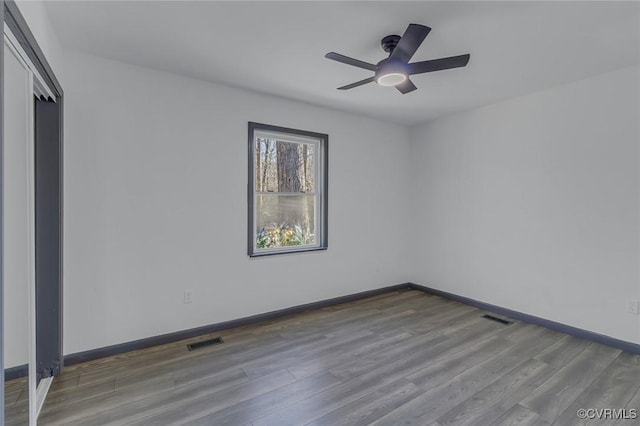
x=396, y=69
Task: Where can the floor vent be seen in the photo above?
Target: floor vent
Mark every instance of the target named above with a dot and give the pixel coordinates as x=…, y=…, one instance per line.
x=204, y=343
x=496, y=319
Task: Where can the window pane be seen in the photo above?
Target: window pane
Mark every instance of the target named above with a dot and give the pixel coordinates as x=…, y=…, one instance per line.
x=284, y=166
x=285, y=220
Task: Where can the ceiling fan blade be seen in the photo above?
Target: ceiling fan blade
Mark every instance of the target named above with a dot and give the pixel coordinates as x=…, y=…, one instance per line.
x=350, y=61
x=439, y=64
x=406, y=87
x=410, y=41
x=357, y=83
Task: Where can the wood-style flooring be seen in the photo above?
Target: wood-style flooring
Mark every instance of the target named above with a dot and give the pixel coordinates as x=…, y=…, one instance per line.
x=401, y=358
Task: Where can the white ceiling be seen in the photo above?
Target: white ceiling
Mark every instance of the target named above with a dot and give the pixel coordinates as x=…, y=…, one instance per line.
x=278, y=47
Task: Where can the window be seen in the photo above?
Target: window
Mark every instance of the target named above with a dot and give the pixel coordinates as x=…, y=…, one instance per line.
x=287, y=190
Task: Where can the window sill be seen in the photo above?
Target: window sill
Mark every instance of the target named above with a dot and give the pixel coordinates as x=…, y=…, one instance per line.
x=273, y=253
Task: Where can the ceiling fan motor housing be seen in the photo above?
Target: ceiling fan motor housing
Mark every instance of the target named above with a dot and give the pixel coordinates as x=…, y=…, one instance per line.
x=391, y=67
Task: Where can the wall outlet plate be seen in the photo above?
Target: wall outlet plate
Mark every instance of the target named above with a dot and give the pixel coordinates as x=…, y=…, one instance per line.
x=187, y=297
x=633, y=306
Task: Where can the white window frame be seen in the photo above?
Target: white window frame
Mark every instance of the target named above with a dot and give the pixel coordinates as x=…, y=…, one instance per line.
x=320, y=144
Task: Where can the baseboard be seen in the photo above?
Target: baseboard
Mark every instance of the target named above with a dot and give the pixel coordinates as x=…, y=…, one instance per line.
x=16, y=372
x=573, y=331
x=93, y=354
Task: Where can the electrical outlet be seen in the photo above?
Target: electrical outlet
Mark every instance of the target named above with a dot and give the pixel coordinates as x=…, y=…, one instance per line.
x=187, y=297
x=633, y=306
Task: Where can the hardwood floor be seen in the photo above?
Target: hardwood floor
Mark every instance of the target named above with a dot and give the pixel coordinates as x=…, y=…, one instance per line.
x=16, y=394
x=400, y=358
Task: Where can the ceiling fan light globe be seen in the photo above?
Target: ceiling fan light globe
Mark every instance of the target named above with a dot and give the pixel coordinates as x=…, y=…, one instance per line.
x=391, y=79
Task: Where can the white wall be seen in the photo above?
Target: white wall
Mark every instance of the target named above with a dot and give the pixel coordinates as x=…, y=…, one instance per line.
x=155, y=203
x=533, y=203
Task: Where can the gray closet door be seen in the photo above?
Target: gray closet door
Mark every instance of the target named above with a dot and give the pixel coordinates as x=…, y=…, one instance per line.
x=48, y=198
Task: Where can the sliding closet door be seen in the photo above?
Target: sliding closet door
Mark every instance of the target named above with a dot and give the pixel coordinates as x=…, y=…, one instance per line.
x=18, y=232
x=32, y=220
